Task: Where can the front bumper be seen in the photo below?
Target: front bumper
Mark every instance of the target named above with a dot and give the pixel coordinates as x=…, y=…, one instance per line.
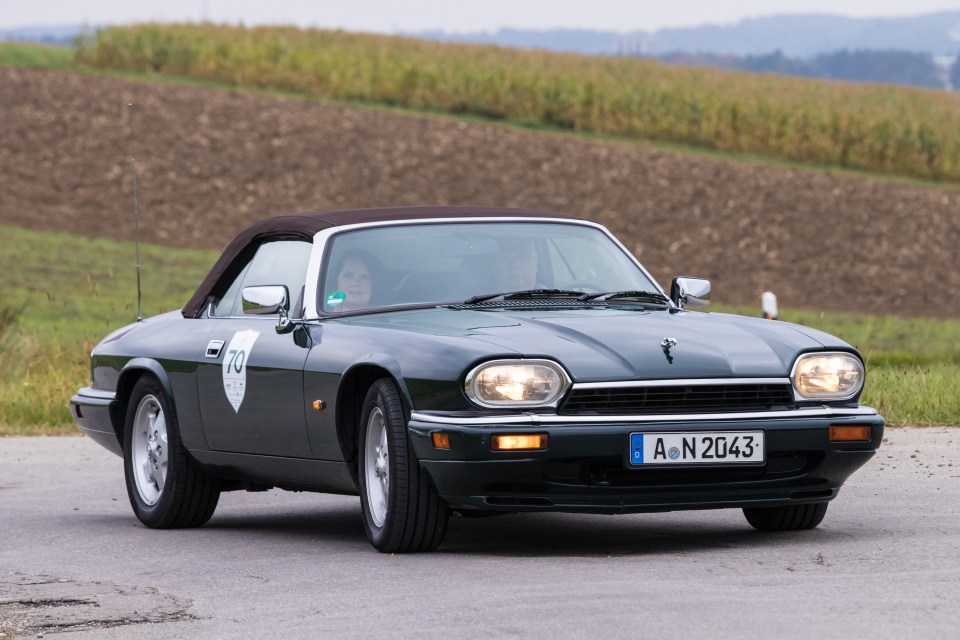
x=585, y=470
x=91, y=410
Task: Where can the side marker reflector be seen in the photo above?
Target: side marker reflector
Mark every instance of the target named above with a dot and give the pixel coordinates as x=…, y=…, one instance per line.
x=848, y=433
x=440, y=440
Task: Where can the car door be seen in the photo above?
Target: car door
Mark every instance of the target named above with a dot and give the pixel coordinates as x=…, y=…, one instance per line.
x=250, y=380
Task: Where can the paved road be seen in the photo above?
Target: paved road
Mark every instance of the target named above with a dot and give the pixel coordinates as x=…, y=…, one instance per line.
x=74, y=563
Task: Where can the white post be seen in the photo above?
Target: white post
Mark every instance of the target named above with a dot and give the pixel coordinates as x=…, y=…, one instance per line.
x=768, y=304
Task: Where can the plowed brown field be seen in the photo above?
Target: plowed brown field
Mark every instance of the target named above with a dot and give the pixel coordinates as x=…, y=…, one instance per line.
x=212, y=161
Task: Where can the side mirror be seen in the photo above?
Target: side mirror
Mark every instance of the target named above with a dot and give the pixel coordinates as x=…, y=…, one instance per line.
x=690, y=292
x=267, y=300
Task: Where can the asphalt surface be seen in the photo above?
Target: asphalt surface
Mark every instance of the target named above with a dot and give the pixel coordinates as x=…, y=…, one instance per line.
x=75, y=563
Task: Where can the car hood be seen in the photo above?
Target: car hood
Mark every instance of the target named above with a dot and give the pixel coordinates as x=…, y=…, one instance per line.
x=610, y=344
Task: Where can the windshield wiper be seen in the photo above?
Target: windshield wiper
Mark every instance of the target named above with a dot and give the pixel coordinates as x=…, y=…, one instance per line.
x=526, y=293
x=650, y=296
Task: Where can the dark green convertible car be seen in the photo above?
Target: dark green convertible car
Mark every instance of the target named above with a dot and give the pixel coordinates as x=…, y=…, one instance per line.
x=442, y=360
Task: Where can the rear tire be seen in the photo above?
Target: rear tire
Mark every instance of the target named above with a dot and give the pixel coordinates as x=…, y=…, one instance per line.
x=165, y=488
x=794, y=517
x=402, y=512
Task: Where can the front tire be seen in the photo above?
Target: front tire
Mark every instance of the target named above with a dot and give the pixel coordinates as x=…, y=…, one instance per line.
x=402, y=512
x=165, y=488
x=794, y=517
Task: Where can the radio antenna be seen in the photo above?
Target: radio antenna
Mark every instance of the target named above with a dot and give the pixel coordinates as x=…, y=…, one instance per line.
x=136, y=213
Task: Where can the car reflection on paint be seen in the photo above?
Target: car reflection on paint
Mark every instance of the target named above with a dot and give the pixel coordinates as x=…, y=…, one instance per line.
x=441, y=360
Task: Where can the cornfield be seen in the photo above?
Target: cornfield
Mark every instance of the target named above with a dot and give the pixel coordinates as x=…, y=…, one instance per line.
x=886, y=129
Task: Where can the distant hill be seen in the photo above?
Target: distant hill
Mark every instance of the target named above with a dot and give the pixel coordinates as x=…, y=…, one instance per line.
x=890, y=67
x=796, y=35
x=919, y=50
x=49, y=34
x=810, y=35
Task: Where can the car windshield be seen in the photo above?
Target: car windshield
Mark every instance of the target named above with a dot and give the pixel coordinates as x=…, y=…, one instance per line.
x=438, y=263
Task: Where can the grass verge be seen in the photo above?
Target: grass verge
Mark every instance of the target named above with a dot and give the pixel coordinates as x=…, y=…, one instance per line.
x=65, y=293
x=15, y=54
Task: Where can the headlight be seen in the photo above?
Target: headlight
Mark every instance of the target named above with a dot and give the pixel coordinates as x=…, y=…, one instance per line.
x=516, y=383
x=828, y=376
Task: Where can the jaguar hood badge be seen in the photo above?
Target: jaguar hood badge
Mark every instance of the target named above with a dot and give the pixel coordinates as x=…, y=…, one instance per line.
x=666, y=344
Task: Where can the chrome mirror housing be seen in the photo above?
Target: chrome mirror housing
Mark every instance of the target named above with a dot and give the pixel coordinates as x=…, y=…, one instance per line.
x=267, y=300
x=686, y=291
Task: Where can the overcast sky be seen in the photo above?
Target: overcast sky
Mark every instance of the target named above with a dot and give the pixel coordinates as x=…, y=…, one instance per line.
x=450, y=15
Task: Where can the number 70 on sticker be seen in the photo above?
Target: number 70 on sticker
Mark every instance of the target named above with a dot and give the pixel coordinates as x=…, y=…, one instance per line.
x=236, y=358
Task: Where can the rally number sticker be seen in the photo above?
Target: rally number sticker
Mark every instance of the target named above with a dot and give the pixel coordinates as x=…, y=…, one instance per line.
x=235, y=366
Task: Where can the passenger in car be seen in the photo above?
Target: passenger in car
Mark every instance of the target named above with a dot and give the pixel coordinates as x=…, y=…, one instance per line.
x=513, y=267
x=516, y=265
x=358, y=272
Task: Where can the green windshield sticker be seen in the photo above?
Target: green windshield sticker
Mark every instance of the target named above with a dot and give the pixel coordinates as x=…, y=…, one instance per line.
x=335, y=298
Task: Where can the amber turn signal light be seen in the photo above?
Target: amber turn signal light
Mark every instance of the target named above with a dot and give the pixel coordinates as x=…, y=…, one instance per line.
x=848, y=433
x=519, y=442
x=440, y=440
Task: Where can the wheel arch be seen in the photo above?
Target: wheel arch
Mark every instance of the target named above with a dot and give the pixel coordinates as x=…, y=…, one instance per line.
x=353, y=388
x=131, y=373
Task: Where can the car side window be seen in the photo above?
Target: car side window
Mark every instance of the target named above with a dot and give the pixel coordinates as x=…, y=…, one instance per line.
x=278, y=262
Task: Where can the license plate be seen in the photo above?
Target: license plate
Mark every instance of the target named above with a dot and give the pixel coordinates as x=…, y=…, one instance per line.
x=723, y=447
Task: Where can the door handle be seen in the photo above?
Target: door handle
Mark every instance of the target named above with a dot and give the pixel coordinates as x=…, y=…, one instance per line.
x=214, y=348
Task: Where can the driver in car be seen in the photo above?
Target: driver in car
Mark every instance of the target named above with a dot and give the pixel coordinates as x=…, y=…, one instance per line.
x=516, y=266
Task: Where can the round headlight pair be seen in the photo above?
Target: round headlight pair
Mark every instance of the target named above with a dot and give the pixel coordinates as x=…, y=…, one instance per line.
x=516, y=383
x=828, y=376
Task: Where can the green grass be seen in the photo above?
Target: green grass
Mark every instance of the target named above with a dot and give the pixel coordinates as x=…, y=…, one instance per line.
x=13, y=54
x=65, y=292
x=915, y=394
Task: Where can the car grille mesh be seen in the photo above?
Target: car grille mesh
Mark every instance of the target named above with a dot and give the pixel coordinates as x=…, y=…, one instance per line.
x=681, y=398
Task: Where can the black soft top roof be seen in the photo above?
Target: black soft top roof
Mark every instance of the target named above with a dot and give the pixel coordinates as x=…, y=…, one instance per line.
x=306, y=225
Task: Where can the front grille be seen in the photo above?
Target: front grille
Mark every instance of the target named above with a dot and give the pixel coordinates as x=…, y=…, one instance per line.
x=678, y=399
